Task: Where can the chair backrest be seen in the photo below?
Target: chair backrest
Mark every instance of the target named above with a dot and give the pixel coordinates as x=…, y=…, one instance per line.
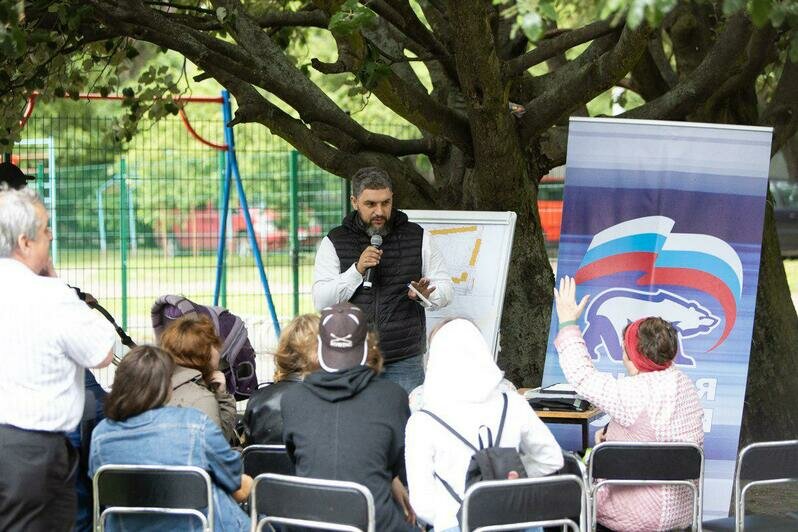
x=521, y=503
x=641, y=463
x=259, y=459
x=771, y=462
x=310, y=502
x=163, y=490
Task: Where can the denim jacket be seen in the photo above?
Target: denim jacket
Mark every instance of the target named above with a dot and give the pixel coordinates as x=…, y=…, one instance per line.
x=172, y=436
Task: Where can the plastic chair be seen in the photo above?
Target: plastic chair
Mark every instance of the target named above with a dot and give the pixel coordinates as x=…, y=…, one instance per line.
x=310, y=502
x=647, y=463
x=759, y=464
x=157, y=490
x=259, y=459
x=526, y=502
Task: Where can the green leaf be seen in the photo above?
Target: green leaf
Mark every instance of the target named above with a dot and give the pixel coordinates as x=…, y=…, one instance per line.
x=546, y=8
x=350, y=18
x=732, y=6
x=794, y=48
x=532, y=25
x=760, y=12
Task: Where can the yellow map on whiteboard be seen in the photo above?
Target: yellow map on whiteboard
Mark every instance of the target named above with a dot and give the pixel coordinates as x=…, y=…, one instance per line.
x=462, y=255
x=476, y=247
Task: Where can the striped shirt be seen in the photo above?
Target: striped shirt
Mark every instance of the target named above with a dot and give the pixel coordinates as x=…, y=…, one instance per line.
x=47, y=337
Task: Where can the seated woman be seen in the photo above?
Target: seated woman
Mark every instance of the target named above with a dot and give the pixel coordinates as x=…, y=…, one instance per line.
x=655, y=402
x=197, y=381
x=463, y=386
x=295, y=357
x=139, y=429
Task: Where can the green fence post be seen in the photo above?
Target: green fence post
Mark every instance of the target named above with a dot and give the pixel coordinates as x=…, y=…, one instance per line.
x=293, y=176
x=40, y=180
x=123, y=237
x=222, y=165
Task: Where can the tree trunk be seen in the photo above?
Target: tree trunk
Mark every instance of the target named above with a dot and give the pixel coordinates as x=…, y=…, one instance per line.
x=772, y=386
x=527, y=305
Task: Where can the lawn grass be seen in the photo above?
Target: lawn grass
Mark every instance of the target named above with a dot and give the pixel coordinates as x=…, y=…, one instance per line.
x=150, y=274
x=791, y=268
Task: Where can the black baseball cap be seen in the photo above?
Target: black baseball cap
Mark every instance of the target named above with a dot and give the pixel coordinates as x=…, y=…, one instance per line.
x=11, y=174
x=342, y=337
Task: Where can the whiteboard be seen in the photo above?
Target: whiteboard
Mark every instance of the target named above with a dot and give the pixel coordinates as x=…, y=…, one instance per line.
x=476, y=246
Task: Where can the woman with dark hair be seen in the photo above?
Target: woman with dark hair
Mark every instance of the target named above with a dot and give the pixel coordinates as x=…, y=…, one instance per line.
x=295, y=357
x=140, y=430
x=197, y=381
x=654, y=402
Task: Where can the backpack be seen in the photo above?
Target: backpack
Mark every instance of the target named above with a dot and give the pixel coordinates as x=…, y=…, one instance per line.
x=237, y=357
x=489, y=462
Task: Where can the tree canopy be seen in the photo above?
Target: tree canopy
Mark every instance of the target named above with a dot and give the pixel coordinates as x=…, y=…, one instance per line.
x=489, y=85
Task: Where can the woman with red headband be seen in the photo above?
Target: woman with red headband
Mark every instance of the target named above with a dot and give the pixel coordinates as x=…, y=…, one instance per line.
x=654, y=402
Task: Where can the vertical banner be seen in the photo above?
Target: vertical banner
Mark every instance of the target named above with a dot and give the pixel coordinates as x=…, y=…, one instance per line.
x=665, y=219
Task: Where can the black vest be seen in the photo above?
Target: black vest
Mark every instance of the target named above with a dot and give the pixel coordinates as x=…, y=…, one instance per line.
x=399, y=320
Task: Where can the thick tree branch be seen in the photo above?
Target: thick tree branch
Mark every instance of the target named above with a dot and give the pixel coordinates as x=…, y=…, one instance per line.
x=537, y=85
x=703, y=80
x=407, y=100
x=273, y=70
x=272, y=20
x=586, y=83
x=782, y=111
x=761, y=51
x=657, y=53
x=401, y=15
x=252, y=107
x=647, y=73
x=549, y=48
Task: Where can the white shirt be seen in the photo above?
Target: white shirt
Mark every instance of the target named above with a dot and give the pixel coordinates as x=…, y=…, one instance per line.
x=47, y=337
x=330, y=286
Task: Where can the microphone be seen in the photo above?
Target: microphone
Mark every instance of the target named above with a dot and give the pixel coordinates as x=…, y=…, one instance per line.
x=376, y=241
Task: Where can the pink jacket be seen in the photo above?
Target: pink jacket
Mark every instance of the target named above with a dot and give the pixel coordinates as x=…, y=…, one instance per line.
x=657, y=406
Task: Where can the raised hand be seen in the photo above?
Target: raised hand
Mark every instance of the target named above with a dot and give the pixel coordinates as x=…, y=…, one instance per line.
x=565, y=300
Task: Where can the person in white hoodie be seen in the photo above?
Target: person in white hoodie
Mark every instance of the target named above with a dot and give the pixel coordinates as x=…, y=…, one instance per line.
x=462, y=386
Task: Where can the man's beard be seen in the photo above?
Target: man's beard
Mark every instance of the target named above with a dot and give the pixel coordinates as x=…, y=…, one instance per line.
x=372, y=230
x=382, y=231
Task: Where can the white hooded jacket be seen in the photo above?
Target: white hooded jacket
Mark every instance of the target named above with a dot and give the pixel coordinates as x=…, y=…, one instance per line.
x=462, y=388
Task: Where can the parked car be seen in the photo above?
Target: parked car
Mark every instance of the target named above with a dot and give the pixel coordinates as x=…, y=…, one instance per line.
x=199, y=230
x=785, y=198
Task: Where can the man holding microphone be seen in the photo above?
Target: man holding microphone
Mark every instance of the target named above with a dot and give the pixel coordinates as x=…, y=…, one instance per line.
x=388, y=266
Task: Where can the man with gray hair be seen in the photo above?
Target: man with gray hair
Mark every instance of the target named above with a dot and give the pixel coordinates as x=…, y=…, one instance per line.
x=393, y=276
x=47, y=337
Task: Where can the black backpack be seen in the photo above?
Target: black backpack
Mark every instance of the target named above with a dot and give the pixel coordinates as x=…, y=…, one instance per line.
x=489, y=462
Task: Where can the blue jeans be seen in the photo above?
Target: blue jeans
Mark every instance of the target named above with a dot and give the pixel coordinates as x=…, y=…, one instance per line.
x=407, y=373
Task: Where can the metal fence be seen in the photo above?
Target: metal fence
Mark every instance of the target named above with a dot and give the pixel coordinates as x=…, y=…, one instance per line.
x=133, y=223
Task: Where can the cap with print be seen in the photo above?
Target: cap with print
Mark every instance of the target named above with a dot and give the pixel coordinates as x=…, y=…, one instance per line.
x=342, y=337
